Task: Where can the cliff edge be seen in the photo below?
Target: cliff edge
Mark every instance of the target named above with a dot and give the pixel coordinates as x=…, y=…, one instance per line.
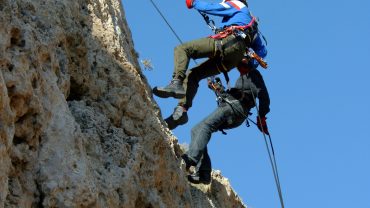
x=78, y=125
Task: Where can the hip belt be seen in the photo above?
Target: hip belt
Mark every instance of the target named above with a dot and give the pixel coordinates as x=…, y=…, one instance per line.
x=242, y=31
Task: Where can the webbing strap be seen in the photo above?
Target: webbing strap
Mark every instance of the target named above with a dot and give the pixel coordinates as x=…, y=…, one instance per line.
x=231, y=29
x=221, y=68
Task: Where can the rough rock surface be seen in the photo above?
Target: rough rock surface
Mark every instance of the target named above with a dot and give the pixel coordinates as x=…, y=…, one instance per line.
x=78, y=126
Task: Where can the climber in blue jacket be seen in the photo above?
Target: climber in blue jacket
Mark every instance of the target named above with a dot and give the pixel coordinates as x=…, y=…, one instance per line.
x=224, y=50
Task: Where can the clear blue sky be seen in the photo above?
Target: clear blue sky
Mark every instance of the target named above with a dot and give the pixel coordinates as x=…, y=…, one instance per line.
x=319, y=87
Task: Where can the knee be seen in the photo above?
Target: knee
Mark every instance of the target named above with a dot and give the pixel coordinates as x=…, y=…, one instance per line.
x=194, y=131
x=201, y=127
x=180, y=48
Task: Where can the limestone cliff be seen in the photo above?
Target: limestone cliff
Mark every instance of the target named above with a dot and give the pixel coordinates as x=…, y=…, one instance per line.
x=78, y=125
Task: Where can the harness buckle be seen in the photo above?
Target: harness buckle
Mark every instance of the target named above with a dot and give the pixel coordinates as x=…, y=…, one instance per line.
x=240, y=34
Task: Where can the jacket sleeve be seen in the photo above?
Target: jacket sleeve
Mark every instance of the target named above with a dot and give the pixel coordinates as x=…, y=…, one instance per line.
x=263, y=96
x=217, y=9
x=260, y=48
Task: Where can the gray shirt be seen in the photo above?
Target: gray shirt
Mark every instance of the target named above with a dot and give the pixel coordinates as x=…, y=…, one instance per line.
x=253, y=85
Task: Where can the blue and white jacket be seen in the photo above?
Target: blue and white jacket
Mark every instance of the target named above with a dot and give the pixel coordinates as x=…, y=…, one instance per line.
x=233, y=12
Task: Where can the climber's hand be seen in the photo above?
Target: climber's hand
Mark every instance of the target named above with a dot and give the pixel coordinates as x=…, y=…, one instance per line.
x=262, y=125
x=189, y=3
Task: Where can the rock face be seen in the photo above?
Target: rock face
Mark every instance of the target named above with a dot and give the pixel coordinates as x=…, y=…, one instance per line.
x=78, y=125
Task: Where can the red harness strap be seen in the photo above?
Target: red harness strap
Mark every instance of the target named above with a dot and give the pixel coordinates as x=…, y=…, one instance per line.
x=230, y=30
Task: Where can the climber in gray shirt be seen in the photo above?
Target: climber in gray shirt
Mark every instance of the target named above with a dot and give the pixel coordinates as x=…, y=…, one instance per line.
x=232, y=111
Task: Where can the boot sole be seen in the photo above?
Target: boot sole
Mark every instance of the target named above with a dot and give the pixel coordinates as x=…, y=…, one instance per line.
x=205, y=182
x=166, y=94
x=173, y=124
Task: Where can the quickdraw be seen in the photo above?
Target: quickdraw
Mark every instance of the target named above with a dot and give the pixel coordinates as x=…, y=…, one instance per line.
x=258, y=58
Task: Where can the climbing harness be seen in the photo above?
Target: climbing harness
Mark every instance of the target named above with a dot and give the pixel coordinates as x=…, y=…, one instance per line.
x=238, y=30
x=216, y=86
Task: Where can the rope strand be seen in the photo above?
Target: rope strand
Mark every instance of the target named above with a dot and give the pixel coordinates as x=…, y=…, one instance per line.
x=272, y=158
x=168, y=24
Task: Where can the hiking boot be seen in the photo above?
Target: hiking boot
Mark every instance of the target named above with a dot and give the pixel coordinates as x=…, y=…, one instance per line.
x=200, y=177
x=179, y=117
x=188, y=162
x=174, y=89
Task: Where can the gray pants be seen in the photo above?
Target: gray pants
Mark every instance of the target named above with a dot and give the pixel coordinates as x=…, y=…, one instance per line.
x=226, y=116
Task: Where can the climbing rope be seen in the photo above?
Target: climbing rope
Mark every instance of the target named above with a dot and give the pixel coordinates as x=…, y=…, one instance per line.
x=169, y=25
x=164, y=18
x=270, y=153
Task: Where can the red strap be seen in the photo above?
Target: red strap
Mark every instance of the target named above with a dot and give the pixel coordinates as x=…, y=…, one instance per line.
x=234, y=5
x=245, y=26
x=221, y=35
x=229, y=30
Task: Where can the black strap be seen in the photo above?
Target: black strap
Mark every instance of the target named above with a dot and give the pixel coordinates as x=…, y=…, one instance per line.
x=210, y=23
x=227, y=78
x=223, y=132
x=264, y=38
x=219, y=57
x=222, y=69
x=247, y=123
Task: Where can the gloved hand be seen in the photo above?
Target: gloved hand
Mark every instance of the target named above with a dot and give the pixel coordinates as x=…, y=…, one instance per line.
x=262, y=125
x=189, y=3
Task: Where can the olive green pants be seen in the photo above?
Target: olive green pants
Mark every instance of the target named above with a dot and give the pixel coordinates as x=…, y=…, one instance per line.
x=233, y=49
